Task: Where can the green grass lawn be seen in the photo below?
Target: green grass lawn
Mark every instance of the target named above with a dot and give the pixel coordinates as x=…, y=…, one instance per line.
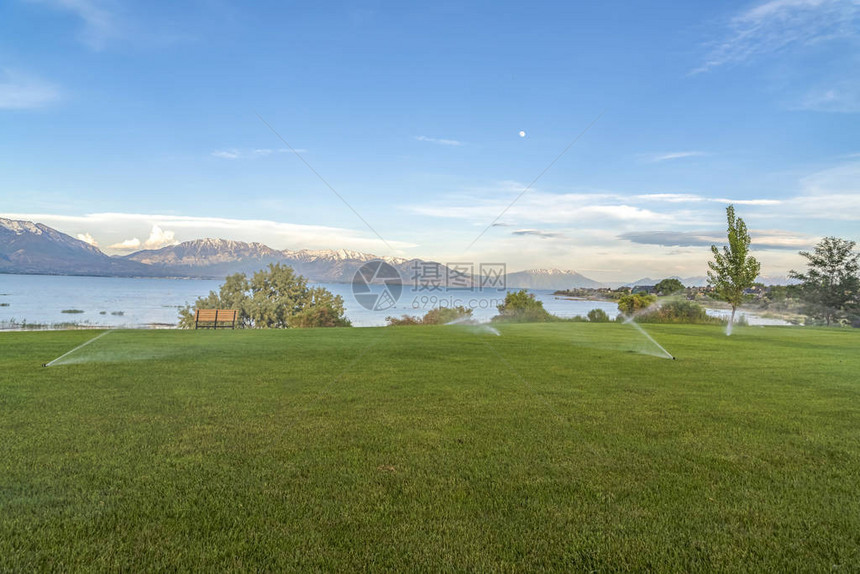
x=555, y=446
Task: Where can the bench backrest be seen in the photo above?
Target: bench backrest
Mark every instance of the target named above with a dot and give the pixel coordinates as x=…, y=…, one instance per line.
x=216, y=315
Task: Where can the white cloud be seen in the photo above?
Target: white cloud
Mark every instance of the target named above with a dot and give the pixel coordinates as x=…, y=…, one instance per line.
x=777, y=25
x=234, y=153
x=87, y=238
x=21, y=91
x=126, y=245
x=658, y=157
x=439, y=141
x=159, y=238
x=99, y=24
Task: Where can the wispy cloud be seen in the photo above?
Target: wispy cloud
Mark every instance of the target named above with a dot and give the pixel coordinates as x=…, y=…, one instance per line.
x=761, y=239
x=841, y=98
x=21, y=91
x=673, y=238
x=226, y=154
x=439, y=141
x=99, y=23
x=658, y=157
x=587, y=209
x=832, y=194
x=777, y=25
x=234, y=153
x=542, y=207
x=537, y=233
x=671, y=197
x=693, y=198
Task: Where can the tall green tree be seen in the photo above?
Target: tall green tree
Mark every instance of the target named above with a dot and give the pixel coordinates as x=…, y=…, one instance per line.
x=669, y=286
x=733, y=270
x=830, y=285
x=274, y=298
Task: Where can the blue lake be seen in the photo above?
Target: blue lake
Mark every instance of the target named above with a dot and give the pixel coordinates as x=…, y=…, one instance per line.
x=126, y=302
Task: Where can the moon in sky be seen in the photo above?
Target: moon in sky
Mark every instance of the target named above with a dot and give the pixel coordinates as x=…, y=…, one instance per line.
x=522, y=134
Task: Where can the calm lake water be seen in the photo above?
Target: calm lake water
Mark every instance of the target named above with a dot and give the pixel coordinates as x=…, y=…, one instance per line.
x=125, y=302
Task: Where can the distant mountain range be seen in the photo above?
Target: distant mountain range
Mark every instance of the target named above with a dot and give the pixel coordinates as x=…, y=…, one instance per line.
x=27, y=247
x=554, y=279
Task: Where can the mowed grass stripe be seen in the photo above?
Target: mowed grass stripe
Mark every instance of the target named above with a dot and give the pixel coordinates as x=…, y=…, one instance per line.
x=418, y=448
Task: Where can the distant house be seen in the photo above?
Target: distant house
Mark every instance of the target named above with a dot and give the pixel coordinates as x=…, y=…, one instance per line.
x=643, y=289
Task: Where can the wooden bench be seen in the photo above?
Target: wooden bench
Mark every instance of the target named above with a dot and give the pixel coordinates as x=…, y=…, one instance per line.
x=215, y=318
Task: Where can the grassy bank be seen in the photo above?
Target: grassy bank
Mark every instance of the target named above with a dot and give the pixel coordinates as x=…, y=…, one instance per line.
x=560, y=446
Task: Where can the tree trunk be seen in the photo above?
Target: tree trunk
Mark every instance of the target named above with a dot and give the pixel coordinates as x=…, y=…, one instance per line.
x=732, y=320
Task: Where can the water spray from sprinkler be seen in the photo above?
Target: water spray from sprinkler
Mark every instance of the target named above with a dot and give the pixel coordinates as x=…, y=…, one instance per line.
x=82, y=345
x=475, y=326
x=638, y=327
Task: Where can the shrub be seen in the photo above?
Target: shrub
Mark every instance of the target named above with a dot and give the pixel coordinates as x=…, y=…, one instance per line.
x=437, y=316
x=679, y=312
x=522, y=307
x=403, y=321
x=598, y=316
x=445, y=315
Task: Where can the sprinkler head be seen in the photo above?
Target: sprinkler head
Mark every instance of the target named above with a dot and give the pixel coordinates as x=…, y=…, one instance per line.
x=44, y=364
x=673, y=358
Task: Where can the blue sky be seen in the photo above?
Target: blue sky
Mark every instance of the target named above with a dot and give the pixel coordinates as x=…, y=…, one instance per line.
x=139, y=124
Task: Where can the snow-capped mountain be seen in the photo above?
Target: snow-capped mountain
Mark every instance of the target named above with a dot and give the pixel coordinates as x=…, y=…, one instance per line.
x=27, y=247
x=555, y=279
x=217, y=258
x=202, y=252
x=338, y=255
